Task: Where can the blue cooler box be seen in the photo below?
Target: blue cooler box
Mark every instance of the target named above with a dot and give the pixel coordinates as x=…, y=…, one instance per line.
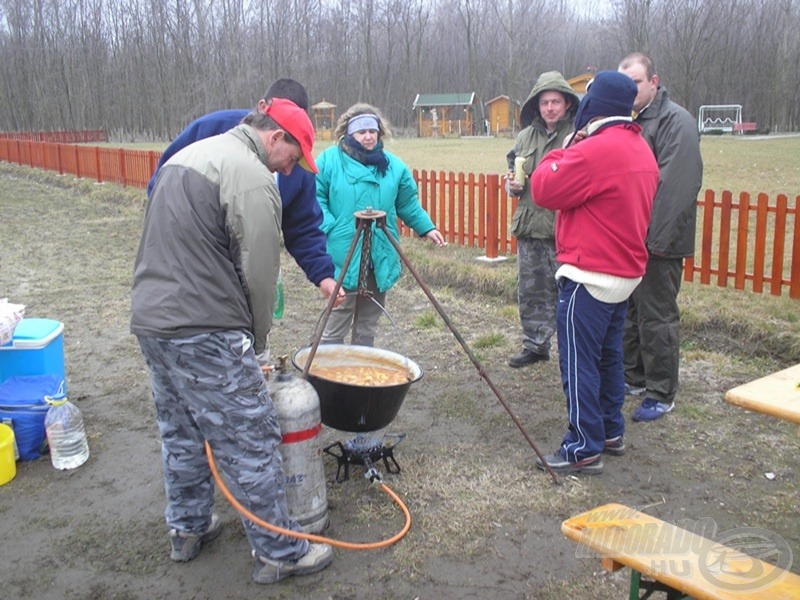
x=37, y=348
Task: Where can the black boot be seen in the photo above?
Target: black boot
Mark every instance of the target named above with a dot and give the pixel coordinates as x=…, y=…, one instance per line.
x=525, y=358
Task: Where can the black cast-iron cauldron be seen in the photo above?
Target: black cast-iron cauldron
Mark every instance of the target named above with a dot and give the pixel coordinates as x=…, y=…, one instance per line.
x=357, y=408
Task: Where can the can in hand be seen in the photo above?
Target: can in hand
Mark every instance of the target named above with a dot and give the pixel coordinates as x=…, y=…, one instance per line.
x=519, y=171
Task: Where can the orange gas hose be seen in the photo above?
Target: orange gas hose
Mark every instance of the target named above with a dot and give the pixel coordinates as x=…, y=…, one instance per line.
x=310, y=536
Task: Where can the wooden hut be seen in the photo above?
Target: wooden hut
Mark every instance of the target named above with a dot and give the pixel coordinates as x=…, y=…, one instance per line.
x=503, y=115
x=445, y=114
x=324, y=119
x=578, y=83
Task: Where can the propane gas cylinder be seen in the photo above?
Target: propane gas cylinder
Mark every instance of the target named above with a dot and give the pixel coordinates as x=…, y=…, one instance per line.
x=297, y=406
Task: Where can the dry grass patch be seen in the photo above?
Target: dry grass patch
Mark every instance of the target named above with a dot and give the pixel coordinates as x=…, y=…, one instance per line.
x=462, y=499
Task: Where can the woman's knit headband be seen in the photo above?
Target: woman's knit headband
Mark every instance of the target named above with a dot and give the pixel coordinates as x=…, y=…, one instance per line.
x=362, y=122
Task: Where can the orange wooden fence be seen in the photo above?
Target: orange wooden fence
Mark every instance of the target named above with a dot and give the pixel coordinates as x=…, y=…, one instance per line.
x=740, y=243
x=117, y=165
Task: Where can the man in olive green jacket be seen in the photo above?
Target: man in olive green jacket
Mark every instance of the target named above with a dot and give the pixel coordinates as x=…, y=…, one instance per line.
x=546, y=119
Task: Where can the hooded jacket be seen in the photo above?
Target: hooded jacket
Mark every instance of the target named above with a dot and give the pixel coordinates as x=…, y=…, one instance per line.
x=671, y=133
x=533, y=142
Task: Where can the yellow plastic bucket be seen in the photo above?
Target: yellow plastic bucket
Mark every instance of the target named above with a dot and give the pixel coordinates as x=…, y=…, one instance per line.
x=8, y=465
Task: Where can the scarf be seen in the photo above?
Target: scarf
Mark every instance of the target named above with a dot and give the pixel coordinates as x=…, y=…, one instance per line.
x=374, y=157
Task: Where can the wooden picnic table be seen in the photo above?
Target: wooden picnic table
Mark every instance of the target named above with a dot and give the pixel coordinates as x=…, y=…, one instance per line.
x=777, y=394
x=676, y=560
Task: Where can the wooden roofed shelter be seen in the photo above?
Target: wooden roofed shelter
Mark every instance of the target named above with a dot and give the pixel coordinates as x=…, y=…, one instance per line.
x=445, y=114
x=324, y=114
x=579, y=82
x=503, y=115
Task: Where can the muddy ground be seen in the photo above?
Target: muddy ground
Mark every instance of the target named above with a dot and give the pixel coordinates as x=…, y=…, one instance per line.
x=485, y=521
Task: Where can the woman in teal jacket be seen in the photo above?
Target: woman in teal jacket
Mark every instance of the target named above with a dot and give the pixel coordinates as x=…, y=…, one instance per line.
x=354, y=175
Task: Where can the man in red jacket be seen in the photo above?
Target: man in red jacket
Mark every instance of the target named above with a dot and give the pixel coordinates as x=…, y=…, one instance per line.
x=603, y=186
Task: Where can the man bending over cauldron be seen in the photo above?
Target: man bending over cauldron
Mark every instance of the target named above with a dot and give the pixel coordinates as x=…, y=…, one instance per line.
x=201, y=307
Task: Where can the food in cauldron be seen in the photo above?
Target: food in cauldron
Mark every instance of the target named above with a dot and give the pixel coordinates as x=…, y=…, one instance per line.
x=363, y=375
x=362, y=406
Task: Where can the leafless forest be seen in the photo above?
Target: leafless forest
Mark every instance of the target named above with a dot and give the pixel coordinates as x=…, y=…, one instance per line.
x=142, y=68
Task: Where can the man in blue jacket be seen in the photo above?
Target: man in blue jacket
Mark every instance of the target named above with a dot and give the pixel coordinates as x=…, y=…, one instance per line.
x=302, y=216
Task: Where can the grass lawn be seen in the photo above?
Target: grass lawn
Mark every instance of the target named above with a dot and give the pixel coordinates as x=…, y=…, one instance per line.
x=740, y=164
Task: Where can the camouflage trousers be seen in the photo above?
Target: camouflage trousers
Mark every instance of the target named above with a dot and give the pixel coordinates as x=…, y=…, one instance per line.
x=537, y=292
x=209, y=387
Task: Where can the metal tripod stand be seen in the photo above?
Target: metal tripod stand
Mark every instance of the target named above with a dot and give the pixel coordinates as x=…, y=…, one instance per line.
x=364, y=222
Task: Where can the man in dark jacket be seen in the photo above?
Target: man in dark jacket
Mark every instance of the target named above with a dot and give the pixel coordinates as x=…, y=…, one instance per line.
x=652, y=328
x=302, y=216
x=546, y=119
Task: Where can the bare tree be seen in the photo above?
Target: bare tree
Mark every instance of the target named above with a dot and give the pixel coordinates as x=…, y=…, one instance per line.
x=690, y=45
x=146, y=67
x=634, y=20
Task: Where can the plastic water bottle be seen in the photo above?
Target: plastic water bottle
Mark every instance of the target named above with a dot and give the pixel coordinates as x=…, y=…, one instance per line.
x=277, y=311
x=65, y=433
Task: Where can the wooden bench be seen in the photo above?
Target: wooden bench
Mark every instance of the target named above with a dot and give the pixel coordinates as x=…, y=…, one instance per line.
x=777, y=395
x=675, y=560
x=742, y=128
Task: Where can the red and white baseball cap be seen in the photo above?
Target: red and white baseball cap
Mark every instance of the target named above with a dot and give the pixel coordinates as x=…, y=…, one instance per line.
x=295, y=121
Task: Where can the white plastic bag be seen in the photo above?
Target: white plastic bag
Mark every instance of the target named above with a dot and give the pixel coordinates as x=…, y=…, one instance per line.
x=10, y=315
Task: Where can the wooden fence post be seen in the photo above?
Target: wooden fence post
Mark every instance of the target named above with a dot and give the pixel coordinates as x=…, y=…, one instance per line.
x=123, y=171
x=724, y=239
x=462, y=210
x=451, y=208
x=423, y=189
x=432, y=197
x=152, y=157
x=708, y=238
x=502, y=197
x=492, y=221
x=759, y=258
x=442, y=212
x=688, y=269
x=794, y=278
x=471, y=232
x=778, y=245
x=99, y=167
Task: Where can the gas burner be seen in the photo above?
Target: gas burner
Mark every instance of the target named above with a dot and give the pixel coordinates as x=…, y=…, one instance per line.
x=361, y=444
x=365, y=450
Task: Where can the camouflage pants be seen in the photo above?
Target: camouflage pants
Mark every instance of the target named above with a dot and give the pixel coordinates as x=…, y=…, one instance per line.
x=209, y=387
x=537, y=292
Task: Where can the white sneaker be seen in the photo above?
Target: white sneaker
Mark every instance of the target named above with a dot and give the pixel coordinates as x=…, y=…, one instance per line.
x=186, y=546
x=317, y=558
